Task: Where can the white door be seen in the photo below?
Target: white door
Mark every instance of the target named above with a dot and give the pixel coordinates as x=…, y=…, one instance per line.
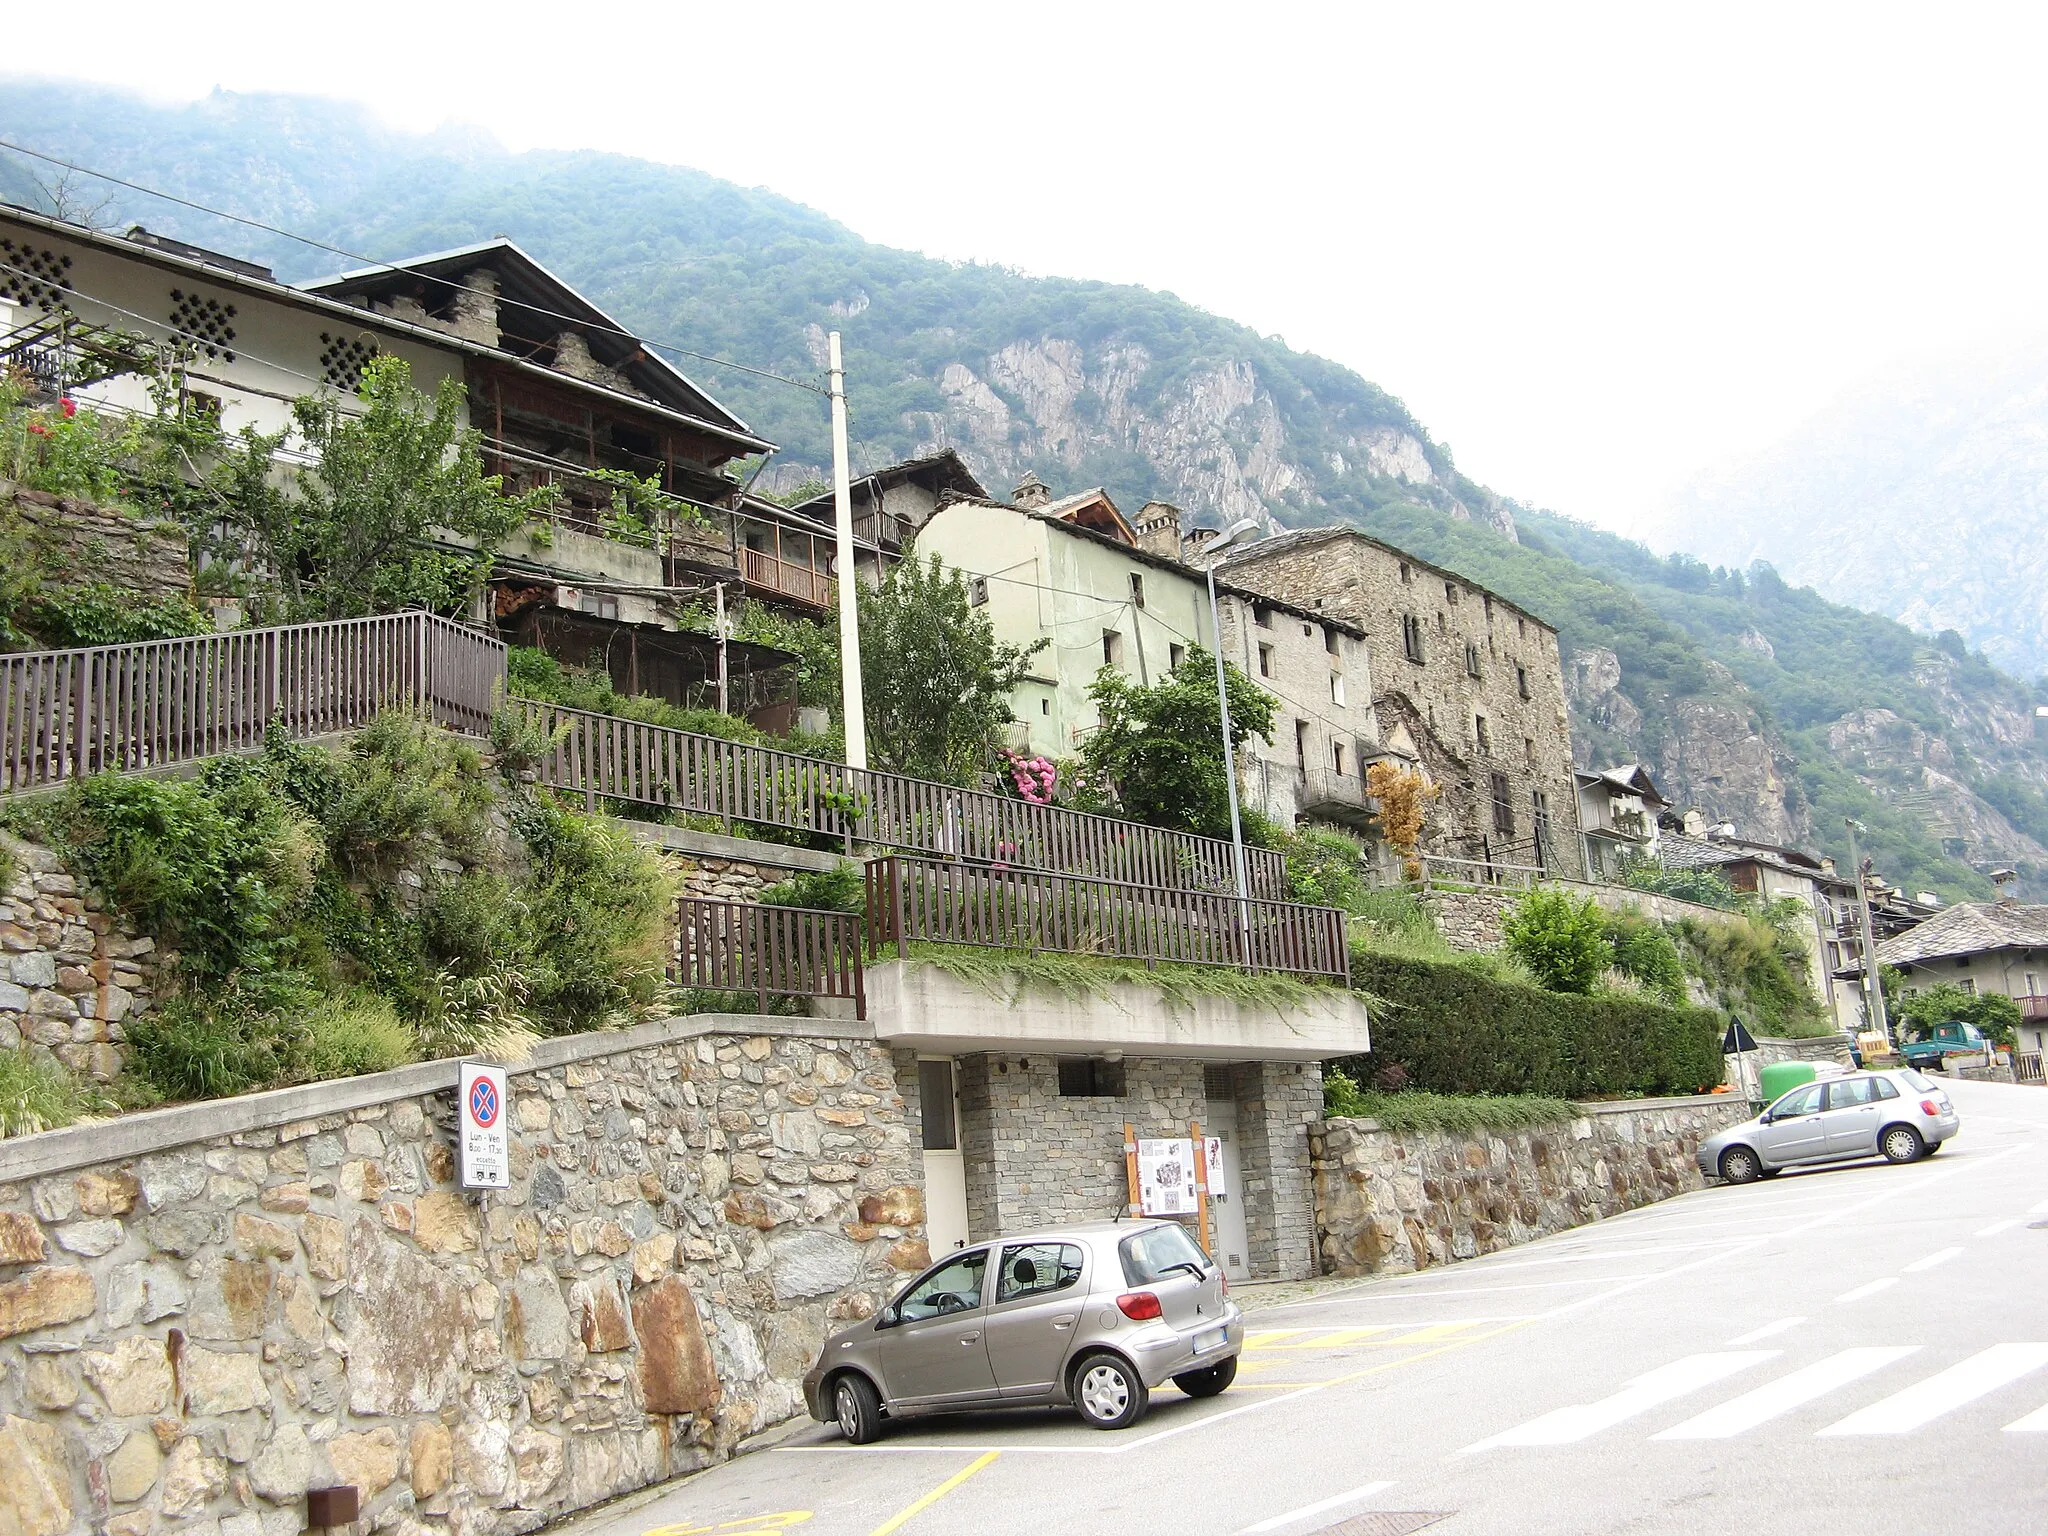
x=1226, y=1199
x=945, y=1174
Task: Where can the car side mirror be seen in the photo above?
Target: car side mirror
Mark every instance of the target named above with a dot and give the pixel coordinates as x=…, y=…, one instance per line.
x=887, y=1317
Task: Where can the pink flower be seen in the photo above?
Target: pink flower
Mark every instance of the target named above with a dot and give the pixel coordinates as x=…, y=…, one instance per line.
x=70, y=407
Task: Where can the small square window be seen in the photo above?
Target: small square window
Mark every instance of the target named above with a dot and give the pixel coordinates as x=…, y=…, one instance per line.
x=1262, y=616
x=1265, y=661
x=1045, y=706
x=1336, y=687
x=1337, y=757
x=1479, y=731
x=1138, y=589
x=1471, y=659
x=1522, y=681
x=1329, y=639
x=1086, y=1077
x=1451, y=594
x=1175, y=655
x=1112, y=648
x=1406, y=575
x=1529, y=750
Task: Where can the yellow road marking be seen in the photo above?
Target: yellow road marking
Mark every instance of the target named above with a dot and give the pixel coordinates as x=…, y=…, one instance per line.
x=1260, y=1339
x=1432, y=1333
x=896, y=1522
x=749, y=1525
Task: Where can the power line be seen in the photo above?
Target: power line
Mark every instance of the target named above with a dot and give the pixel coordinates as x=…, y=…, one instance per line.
x=371, y=261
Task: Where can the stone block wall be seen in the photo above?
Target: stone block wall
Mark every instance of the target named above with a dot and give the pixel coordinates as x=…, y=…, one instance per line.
x=79, y=542
x=205, y=1311
x=1392, y=1201
x=1279, y=1111
x=71, y=974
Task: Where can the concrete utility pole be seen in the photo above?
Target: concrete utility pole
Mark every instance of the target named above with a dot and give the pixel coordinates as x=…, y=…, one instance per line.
x=1215, y=546
x=849, y=595
x=718, y=594
x=1873, y=986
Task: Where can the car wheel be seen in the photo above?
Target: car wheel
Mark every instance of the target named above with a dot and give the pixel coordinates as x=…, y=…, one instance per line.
x=1900, y=1144
x=1933, y=1147
x=857, y=1408
x=1210, y=1382
x=1109, y=1392
x=1739, y=1165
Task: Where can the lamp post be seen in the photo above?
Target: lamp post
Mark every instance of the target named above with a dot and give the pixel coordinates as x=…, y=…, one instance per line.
x=1215, y=546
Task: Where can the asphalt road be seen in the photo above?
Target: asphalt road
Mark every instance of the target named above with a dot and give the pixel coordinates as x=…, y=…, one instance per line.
x=1858, y=1349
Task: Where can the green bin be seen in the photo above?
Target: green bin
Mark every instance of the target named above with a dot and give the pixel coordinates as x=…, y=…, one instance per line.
x=1781, y=1077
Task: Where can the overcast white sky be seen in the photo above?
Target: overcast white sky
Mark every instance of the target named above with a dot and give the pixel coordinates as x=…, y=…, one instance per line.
x=1596, y=248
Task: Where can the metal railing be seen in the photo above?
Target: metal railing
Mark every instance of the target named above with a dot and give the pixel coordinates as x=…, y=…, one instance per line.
x=743, y=946
x=913, y=900
x=603, y=755
x=1440, y=872
x=64, y=714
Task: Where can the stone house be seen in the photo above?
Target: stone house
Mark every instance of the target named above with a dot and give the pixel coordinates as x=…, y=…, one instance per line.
x=1981, y=946
x=1618, y=810
x=1104, y=590
x=1466, y=684
x=560, y=394
x=892, y=504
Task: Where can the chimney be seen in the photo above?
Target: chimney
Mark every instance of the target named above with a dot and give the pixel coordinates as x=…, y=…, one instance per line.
x=1695, y=824
x=1031, y=492
x=2002, y=879
x=476, y=307
x=1159, y=529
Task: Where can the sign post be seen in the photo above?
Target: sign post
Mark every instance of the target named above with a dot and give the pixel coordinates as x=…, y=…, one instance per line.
x=484, y=1143
x=1738, y=1042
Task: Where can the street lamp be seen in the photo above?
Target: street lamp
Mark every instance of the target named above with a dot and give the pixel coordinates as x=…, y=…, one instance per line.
x=1215, y=546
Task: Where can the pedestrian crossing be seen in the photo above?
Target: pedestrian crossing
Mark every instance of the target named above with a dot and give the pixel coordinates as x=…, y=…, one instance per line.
x=1831, y=1381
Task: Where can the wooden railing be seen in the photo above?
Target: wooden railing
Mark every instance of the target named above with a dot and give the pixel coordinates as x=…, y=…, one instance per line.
x=762, y=569
x=603, y=755
x=2033, y=1007
x=2026, y=1067
x=742, y=946
x=157, y=702
x=912, y=900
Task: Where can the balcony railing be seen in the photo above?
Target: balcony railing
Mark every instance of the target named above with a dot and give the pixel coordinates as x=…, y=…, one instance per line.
x=743, y=946
x=2033, y=1007
x=787, y=578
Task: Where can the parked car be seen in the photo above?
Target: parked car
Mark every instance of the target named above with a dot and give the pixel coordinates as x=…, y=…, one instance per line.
x=1900, y=1114
x=1094, y=1316
x=1933, y=1047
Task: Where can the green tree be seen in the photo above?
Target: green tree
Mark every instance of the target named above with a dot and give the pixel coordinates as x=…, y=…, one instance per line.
x=935, y=680
x=1998, y=1016
x=1162, y=746
x=354, y=539
x=1561, y=939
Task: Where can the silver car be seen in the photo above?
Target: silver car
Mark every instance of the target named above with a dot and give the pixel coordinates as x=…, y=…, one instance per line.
x=1095, y=1316
x=1901, y=1115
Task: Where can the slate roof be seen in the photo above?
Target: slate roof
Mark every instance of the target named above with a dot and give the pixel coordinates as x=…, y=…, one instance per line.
x=1298, y=538
x=1968, y=928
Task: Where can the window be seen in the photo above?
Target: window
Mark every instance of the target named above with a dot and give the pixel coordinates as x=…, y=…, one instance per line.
x=1037, y=1269
x=1529, y=751
x=977, y=591
x=1451, y=594
x=1521, y=628
x=1440, y=624
x=1406, y=575
x=1503, y=807
x=1522, y=680
x=1881, y=1089
x=1090, y=1077
x=1262, y=616
x=1265, y=661
x=1337, y=758
x=935, y=1105
x=1336, y=687
x=1045, y=706
x=1329, y=639
x=955, y=1286
x=1411, y=638
x=1539, y=808
x=1481, y=735
x=1151, y=1255
x=1488, y=601
x=1471, y=659
x=1850, y=1092
x=1112, y=648
x=1175, y=655
x=1301, y=745
x=1800, y=1101
x=1969, y=982
x=200, y=406
x=1137, y=589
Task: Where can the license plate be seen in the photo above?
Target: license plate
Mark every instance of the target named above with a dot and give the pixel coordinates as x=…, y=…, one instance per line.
x=1209, y=1340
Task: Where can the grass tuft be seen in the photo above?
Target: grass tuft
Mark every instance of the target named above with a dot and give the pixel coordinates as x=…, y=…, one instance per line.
x=999, y=971
x=1418, y=1111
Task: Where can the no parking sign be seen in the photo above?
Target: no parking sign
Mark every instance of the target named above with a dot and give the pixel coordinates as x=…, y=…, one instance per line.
x=485, y=1146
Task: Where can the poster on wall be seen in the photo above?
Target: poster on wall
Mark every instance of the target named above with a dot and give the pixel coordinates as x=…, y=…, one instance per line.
x=1166, y=1177
x=1212, y=1165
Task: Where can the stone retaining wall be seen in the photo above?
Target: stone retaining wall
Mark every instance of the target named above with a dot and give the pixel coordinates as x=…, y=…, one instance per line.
x=1392, y=1201
x=205, y=1311
x=1472, y=919
x=78, y=542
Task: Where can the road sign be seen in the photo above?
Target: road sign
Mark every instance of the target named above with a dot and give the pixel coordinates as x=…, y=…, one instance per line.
x=1737, y=1039
x=485, y=1142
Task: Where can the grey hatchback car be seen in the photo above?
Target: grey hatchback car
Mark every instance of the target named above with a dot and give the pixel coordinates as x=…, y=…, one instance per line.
x=1901, y=1114
x=1095, y=1316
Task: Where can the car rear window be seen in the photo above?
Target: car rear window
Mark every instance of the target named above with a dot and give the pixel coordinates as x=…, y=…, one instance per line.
x=1149, y=1254
x=1918, y=1079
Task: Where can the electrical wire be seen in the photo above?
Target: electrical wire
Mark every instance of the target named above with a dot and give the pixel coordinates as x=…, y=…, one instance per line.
x=387, y=266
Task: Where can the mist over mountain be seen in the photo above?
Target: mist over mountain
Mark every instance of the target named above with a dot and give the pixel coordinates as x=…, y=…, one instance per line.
x=1744, y=693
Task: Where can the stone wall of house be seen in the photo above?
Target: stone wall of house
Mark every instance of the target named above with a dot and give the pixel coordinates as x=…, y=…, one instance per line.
x=1392, y=1201
x=79, y=542
x=71, y=974
x=1035, y=1157
x=205, y=1311
x=1471, y=919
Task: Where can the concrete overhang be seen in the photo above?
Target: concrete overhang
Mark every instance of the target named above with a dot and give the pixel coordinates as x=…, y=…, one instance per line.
x=916, y=1005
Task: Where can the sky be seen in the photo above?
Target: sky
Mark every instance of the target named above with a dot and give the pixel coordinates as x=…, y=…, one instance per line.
x=1598, y=249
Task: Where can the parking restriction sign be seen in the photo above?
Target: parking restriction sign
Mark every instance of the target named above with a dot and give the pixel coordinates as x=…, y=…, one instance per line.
x=485, y=1147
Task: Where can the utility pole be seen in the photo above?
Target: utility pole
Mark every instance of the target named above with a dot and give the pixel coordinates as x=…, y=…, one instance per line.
x=1215, y=547
x=849, y=595
x=1873, y=986
x=718, y=595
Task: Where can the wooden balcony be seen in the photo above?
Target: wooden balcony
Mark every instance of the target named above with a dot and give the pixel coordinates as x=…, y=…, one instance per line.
x=2033, y=1008
x=788, y=579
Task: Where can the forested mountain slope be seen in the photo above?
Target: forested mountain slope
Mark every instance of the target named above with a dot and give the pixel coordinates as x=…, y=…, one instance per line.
x=1762, y=704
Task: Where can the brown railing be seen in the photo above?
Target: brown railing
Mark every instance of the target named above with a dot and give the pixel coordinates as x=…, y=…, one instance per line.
x=603, y=755
x=2026, y=1067
x=762, y=569
x=68, y=713
x=742, y=946
x=913, y=900
x=2033, y=1007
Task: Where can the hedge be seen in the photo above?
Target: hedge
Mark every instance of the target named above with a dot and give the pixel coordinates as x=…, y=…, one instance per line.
x=1453, y=1030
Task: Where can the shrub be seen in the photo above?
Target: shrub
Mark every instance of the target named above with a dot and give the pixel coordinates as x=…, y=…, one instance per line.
x=1756, y=969
x=597, y=901
x=1644, y=952
x=39, y=1096
x=1419, y=1111
x=404, y=779
x=1560, y=938
x=1327, y=869
x=1453, y=1030
x=841, y=888
x=353, y=1033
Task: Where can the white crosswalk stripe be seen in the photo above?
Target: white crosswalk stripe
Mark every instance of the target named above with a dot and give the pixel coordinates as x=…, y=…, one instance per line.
x=1786, y=1393
x=1639, y=1396
x=1964, y=1382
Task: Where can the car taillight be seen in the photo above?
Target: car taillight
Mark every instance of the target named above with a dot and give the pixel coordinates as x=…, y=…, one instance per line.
x=1223, y=1280
x=1929, y=1107
x=1138, y=1306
